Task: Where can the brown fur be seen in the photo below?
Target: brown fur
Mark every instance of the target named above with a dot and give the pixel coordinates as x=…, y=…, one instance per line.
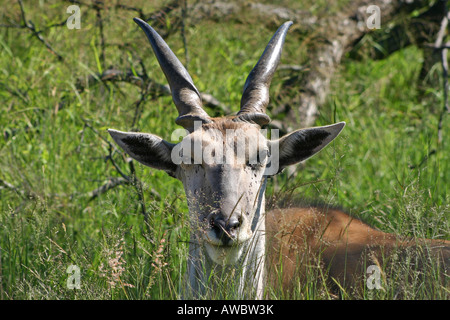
x=343, y=246
x=225, y=123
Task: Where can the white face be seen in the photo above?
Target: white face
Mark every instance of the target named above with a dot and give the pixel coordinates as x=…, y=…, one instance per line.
x=222, y=185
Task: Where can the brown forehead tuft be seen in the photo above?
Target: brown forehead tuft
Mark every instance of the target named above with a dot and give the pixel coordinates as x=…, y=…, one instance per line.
x=226, y=123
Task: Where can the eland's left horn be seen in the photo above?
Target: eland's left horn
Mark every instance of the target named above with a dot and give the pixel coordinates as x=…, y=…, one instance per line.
x=256, y=89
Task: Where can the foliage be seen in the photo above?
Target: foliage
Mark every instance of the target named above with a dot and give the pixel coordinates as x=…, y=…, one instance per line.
x=376, y=169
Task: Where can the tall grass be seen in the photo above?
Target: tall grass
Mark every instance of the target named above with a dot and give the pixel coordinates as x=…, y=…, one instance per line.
x=53, y=160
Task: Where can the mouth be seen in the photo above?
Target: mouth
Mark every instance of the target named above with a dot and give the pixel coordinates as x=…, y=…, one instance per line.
x=223, y=254
x=210, y=237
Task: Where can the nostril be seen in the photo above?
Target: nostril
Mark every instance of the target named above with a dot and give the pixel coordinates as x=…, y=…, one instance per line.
x=233, y=224
x=214, y=225
x=217, y=225
x=225, y=229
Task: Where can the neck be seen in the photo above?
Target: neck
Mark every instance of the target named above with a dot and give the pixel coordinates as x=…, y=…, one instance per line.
x=246, y=275
x=254, y=258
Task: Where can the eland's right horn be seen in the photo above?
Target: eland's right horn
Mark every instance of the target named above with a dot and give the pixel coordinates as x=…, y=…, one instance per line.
x=184, y=93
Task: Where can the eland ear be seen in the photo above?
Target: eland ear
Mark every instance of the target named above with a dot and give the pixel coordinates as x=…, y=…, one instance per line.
x=303, y=144
x=148, y=149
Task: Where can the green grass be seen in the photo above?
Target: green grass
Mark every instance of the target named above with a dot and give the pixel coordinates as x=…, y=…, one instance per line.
x=54, y=159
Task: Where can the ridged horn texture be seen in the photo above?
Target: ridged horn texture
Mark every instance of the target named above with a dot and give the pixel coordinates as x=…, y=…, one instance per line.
x=184, y=93
x=256, y=89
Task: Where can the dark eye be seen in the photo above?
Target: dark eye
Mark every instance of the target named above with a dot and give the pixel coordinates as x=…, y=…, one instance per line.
x=252, y=163
x=260, y=158
x=253, y=166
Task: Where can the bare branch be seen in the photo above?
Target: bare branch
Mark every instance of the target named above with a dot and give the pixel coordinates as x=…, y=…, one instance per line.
x=98, y=13
x=437, y=46
x=138, y=186
x=148, y=87
x=110, y=184
x=130, y=179
x=22, y=193
x=29, y=25
x=442, y=31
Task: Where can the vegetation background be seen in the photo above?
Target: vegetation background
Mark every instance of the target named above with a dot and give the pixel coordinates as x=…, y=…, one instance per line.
x=68, y=196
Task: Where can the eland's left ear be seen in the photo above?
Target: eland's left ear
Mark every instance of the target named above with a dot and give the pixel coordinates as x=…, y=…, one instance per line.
x=303, y=144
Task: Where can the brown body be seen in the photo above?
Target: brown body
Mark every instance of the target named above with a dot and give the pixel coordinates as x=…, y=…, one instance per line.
x=301, y=239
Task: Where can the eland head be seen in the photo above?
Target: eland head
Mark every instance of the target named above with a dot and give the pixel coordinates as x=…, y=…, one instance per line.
x=223, y=162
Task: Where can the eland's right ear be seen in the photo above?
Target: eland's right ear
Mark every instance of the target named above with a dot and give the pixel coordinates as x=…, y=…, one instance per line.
x=148, y=149
x=303, y=144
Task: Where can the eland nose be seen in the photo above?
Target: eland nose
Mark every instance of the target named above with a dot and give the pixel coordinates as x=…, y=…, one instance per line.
x=225, y=229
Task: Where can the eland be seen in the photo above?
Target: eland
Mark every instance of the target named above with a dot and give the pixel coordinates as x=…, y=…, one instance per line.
x=223, y=164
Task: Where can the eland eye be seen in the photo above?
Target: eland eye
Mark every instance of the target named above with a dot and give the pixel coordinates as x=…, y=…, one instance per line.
x=254, y=166
x=258, y=161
